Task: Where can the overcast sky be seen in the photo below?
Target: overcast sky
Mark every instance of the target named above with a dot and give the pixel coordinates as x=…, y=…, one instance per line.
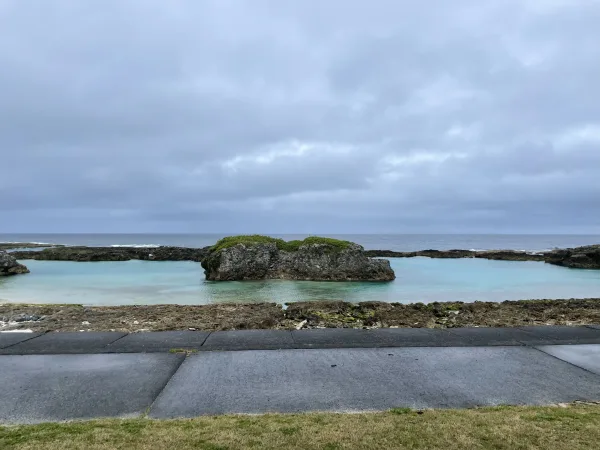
x=309, y=116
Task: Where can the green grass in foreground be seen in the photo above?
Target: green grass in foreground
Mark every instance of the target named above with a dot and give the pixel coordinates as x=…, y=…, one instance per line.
x=557, y=428
x=290, y=246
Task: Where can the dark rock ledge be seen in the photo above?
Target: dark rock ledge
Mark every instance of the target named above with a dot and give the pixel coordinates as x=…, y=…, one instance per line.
x=587, y=257
x=10, y=266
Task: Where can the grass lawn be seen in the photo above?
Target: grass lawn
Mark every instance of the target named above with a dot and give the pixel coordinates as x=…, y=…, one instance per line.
x=571, y=427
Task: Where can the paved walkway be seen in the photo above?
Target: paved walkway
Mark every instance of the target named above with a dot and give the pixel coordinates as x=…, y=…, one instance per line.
x=63, y=376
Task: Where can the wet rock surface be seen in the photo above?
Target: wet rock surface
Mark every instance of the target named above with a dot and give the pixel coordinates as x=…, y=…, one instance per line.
x=311, y=262
x=587, y=257
x=11, y=245
x=503, y=255
x=164, y=253
x=10, y=266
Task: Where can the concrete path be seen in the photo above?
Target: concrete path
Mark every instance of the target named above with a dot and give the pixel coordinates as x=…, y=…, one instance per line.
x=63, y=376
x=41, y=388
x=115, y=342
x=370, y=379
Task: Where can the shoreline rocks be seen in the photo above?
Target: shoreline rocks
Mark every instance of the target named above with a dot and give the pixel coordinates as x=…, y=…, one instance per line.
x=501, y=255
x=13, y=245
x=88, y=254
x=313, y=314
x=310, y=262
x=10, y=266
x=587, y=257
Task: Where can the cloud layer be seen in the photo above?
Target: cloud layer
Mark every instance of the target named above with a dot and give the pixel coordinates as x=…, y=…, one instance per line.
x=307, y=117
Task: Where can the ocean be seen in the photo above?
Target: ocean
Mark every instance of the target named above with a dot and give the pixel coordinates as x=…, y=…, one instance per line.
x=418, y=279
x=397, y=242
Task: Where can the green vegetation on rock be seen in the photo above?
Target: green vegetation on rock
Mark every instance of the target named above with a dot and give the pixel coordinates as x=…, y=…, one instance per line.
x=288, y=246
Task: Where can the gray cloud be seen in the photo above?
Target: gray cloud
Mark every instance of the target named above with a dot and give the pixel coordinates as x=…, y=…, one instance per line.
x=286, y=116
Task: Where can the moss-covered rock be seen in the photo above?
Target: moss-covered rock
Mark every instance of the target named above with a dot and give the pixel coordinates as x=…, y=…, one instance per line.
x=314, y=259
x=288, y=246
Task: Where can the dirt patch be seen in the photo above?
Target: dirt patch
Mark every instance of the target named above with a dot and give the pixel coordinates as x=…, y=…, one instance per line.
x=298, y=315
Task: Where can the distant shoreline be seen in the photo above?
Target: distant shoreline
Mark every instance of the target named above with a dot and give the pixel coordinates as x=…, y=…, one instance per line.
x=587, y=257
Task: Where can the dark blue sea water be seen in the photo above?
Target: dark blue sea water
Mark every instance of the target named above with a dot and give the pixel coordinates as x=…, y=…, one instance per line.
x=418, y=279
x=399, y=242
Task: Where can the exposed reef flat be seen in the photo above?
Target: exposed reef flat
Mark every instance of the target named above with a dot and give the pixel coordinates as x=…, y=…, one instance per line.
x=587, y=257
x=228, y=316
x=13, y=245
x=114, y=254
x=505, y=255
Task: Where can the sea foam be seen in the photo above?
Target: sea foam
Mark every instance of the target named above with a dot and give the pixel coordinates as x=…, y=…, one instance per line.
x=136, y=245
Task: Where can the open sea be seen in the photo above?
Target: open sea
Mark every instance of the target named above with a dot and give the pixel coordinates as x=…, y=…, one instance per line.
x=418, y=279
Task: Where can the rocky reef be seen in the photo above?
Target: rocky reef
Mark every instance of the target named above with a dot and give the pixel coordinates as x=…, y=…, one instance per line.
x=504, y=255
x=587, y=257
x=10, y=266
x=114, y=254
x=297, y=315
x=12, y=245
x=313, y=259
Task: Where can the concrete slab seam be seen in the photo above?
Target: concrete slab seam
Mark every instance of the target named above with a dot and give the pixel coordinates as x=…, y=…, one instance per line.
x=175, y=370
x=550, y=340
x=449, y=331
x=204, y=341
x=293, y=338
x=567, y=362
x=117, y=339
x=29, y=339
x=532, y=335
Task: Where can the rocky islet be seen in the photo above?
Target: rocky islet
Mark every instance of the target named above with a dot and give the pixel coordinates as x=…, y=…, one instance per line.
x=10, y=266
x=314, y=259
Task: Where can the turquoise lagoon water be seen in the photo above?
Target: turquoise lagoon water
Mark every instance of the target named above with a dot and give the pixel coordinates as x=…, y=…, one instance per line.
x=418, y=280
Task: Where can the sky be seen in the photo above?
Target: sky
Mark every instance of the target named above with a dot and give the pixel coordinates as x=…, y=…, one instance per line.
x=289, y=116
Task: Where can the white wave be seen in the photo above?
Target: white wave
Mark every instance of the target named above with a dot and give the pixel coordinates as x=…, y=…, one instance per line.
x=532, y=252
x=23, y=243
x=136, y=245
x=521, y=250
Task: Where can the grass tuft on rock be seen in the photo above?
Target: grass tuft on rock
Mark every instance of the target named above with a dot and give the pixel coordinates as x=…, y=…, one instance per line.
x=288, y=246
x=254, y=239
